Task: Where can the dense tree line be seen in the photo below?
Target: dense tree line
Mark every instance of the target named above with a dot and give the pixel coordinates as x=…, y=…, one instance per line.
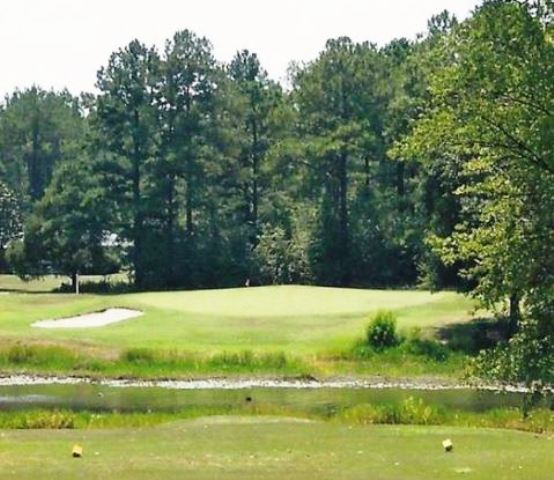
x=427, y=161
x=191, y=173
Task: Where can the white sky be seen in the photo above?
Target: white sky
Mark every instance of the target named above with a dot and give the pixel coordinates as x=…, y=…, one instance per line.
x=62, y=43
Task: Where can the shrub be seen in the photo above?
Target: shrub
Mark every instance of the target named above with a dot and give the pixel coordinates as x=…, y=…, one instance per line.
x=381, y=332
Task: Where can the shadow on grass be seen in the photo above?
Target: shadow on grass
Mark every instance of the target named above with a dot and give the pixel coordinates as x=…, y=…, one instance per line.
x=96, y=288
x=25, y=291
x=472, y=337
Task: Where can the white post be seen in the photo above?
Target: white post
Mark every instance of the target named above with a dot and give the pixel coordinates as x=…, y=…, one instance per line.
x=76, y=284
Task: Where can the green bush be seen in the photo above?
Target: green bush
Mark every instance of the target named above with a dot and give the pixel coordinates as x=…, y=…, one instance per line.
x=381, y=332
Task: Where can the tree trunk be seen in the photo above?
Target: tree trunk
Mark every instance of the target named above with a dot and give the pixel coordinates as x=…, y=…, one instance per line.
x=189, y=196
x=33, y=167
x=170, y=195
x=138, y=221
x=75, y=283
x=255, y=172
x=170, y=232
x=344, y=253
x=515, y=312
x=400, y=186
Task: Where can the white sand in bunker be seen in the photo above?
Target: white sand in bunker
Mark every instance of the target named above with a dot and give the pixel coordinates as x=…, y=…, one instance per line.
x=91, y=320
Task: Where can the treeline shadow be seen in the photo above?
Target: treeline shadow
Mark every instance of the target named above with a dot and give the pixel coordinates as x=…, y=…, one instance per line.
x=476, y=335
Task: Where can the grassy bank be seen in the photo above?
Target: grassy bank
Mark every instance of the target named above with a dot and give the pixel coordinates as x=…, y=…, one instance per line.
x=270, y=330
x=275, y=448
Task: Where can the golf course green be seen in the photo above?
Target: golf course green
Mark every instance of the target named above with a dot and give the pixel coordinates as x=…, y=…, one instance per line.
x=289, y=319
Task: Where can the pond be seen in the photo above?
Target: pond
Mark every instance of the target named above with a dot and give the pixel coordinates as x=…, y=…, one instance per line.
x=320, y=401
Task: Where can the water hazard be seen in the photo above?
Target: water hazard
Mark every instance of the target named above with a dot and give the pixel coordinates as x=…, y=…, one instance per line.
x=103, y=398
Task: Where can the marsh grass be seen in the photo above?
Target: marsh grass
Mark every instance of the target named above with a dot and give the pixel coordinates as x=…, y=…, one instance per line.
x=234, y=362
x=38, y=419
x=144, y=362
x=45, y=356
x=407, y=412
x=67, y=419
x=408, y=359
x=410, y=411
x=159, y=363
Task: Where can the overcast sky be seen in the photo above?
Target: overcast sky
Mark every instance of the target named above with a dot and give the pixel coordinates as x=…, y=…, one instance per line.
x=62, y=43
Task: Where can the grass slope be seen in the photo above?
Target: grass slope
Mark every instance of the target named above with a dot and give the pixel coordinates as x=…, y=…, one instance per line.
x=299, y=320
x=275, y=448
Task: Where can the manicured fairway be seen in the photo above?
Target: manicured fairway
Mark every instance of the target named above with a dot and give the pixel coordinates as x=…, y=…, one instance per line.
x=292, y=319
x=271, y=448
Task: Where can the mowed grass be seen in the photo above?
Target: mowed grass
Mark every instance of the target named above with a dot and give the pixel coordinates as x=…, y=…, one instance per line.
x=12, y=283
x=292, y=319
x=276, y=448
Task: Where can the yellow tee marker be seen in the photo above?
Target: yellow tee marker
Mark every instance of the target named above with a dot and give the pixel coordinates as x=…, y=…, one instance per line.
x=77, y=451
x=447, y=445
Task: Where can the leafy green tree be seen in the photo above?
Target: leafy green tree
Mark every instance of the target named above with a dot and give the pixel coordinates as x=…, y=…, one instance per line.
x=36, y=127
x=10, y=219
x=491, y=120
x=125, y=121
x=282, y=252
x=338, y=97
x=186, y=101
x=260, y=97
x=67, y=232
x=424, y=203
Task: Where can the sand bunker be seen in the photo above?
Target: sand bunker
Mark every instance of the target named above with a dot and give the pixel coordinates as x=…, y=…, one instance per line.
x=91, y=320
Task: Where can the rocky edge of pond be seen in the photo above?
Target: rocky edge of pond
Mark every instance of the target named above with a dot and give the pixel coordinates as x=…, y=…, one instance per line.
x=249, y=383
